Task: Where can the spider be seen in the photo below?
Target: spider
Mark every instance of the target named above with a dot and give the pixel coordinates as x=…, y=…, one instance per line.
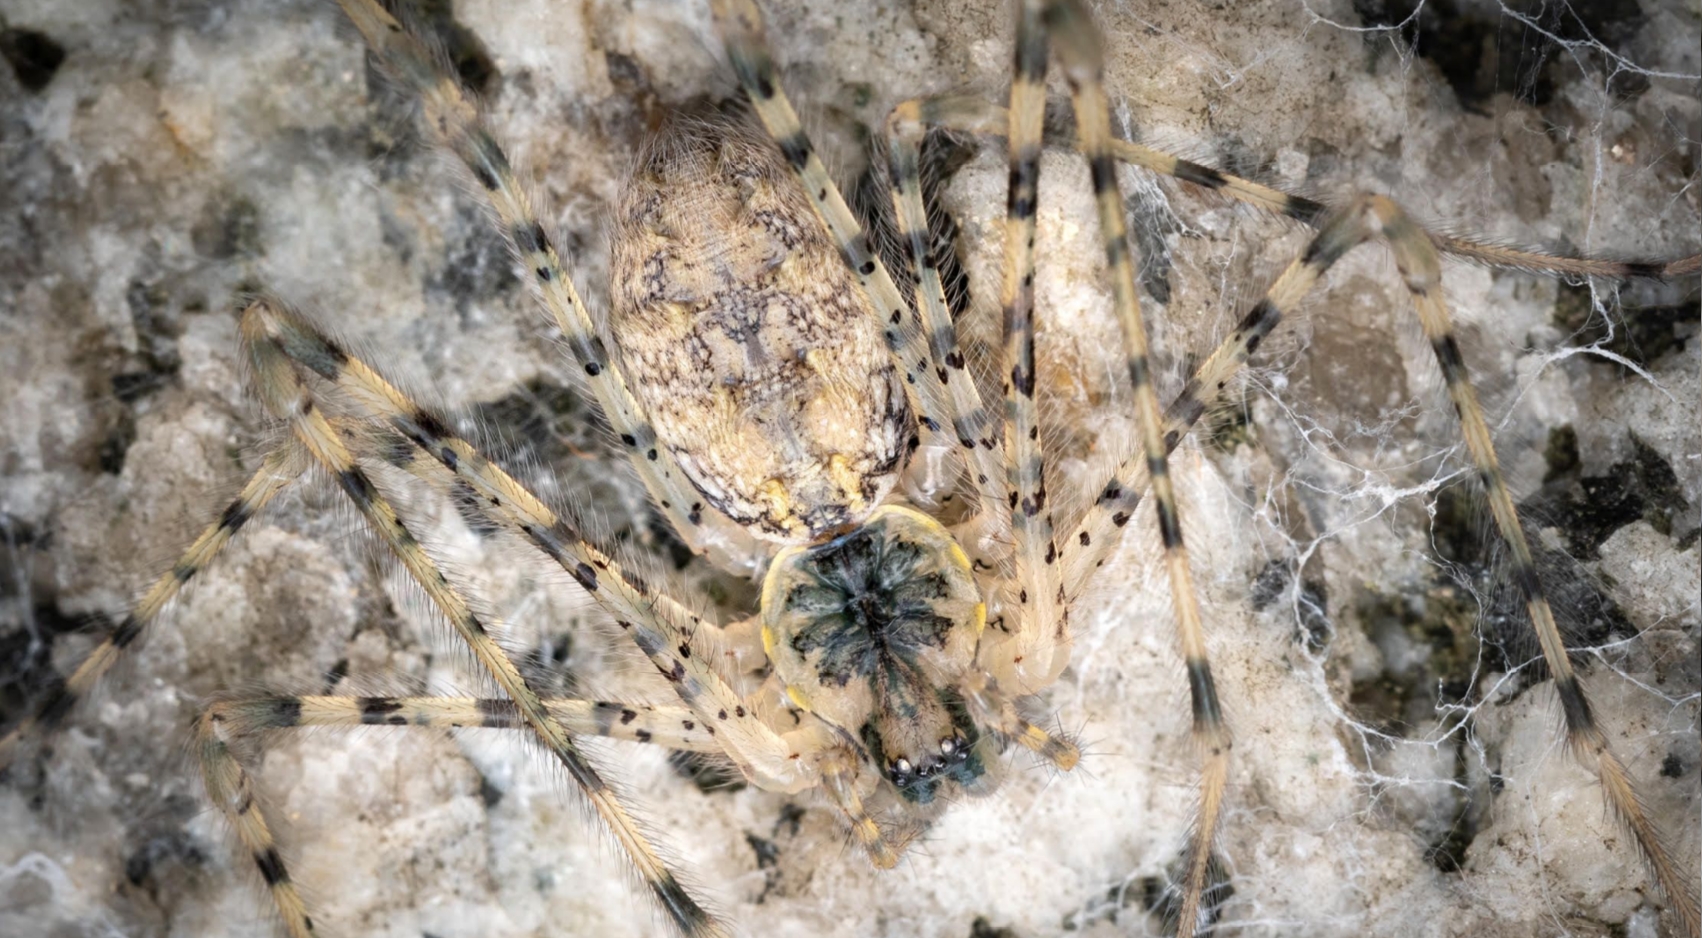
x=1180, y=783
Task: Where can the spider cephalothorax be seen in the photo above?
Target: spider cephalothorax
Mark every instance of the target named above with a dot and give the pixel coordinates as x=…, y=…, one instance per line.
x=873, y=632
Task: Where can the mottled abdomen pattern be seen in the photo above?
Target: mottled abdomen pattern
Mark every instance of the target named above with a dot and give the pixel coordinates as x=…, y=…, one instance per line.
x=746, y=338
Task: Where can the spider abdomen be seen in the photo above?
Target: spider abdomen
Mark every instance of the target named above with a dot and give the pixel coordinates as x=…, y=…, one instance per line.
x=748, y=341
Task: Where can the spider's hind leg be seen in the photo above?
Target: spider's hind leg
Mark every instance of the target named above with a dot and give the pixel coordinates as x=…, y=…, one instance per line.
x=281, y=382
x=281, y=467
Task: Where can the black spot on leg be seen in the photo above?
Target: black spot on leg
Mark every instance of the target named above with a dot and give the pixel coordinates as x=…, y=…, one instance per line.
x=1304, y=210
x=1575, y=705
x=429, y=426
x=1103, y=172
x=128, y=631
x=271, y=867
x=1448, y=355
x=235, y=515
x=358, y=487
x=586, y=576
x=497, y=713
x=1169, y=528
x=286, y=712
x=531, y=238
x=487, y=179
x=796, y=149
x=1202, y=690
x=379, y=710
x=1644, y=271
x=681, y=907
x=1200, y=175
x=1030, y=56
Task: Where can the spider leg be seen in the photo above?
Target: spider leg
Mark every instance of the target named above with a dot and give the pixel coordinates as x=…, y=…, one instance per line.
x=971, y=420
x=1415, y=255
x=741, y=28
x=281, y=467
x=1038, y=649
x=997, y=710
x=1071, y=28
x=229, y=785
x=455, y=121
x=683, y=647
x=285, y=393
x=972, y=115
x=1418, y=263
x=669, y=727
x=840, y=773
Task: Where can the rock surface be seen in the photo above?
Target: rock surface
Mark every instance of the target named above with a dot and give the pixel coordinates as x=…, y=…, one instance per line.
x=1393, y=773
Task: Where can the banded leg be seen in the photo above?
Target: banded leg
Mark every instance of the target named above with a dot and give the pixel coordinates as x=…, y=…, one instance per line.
x=971, y=421
x=281, y=467
x=669, y=727
x=982, y=118
x=741, y=28
x=231, y=788
x=1418, y=264
x=455, y=122
x=1078, y=49
x=285, y=394
x=682, y=647
x=839, y=779
x=991, y=708
x=1415, y=256
x=1039, y=647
